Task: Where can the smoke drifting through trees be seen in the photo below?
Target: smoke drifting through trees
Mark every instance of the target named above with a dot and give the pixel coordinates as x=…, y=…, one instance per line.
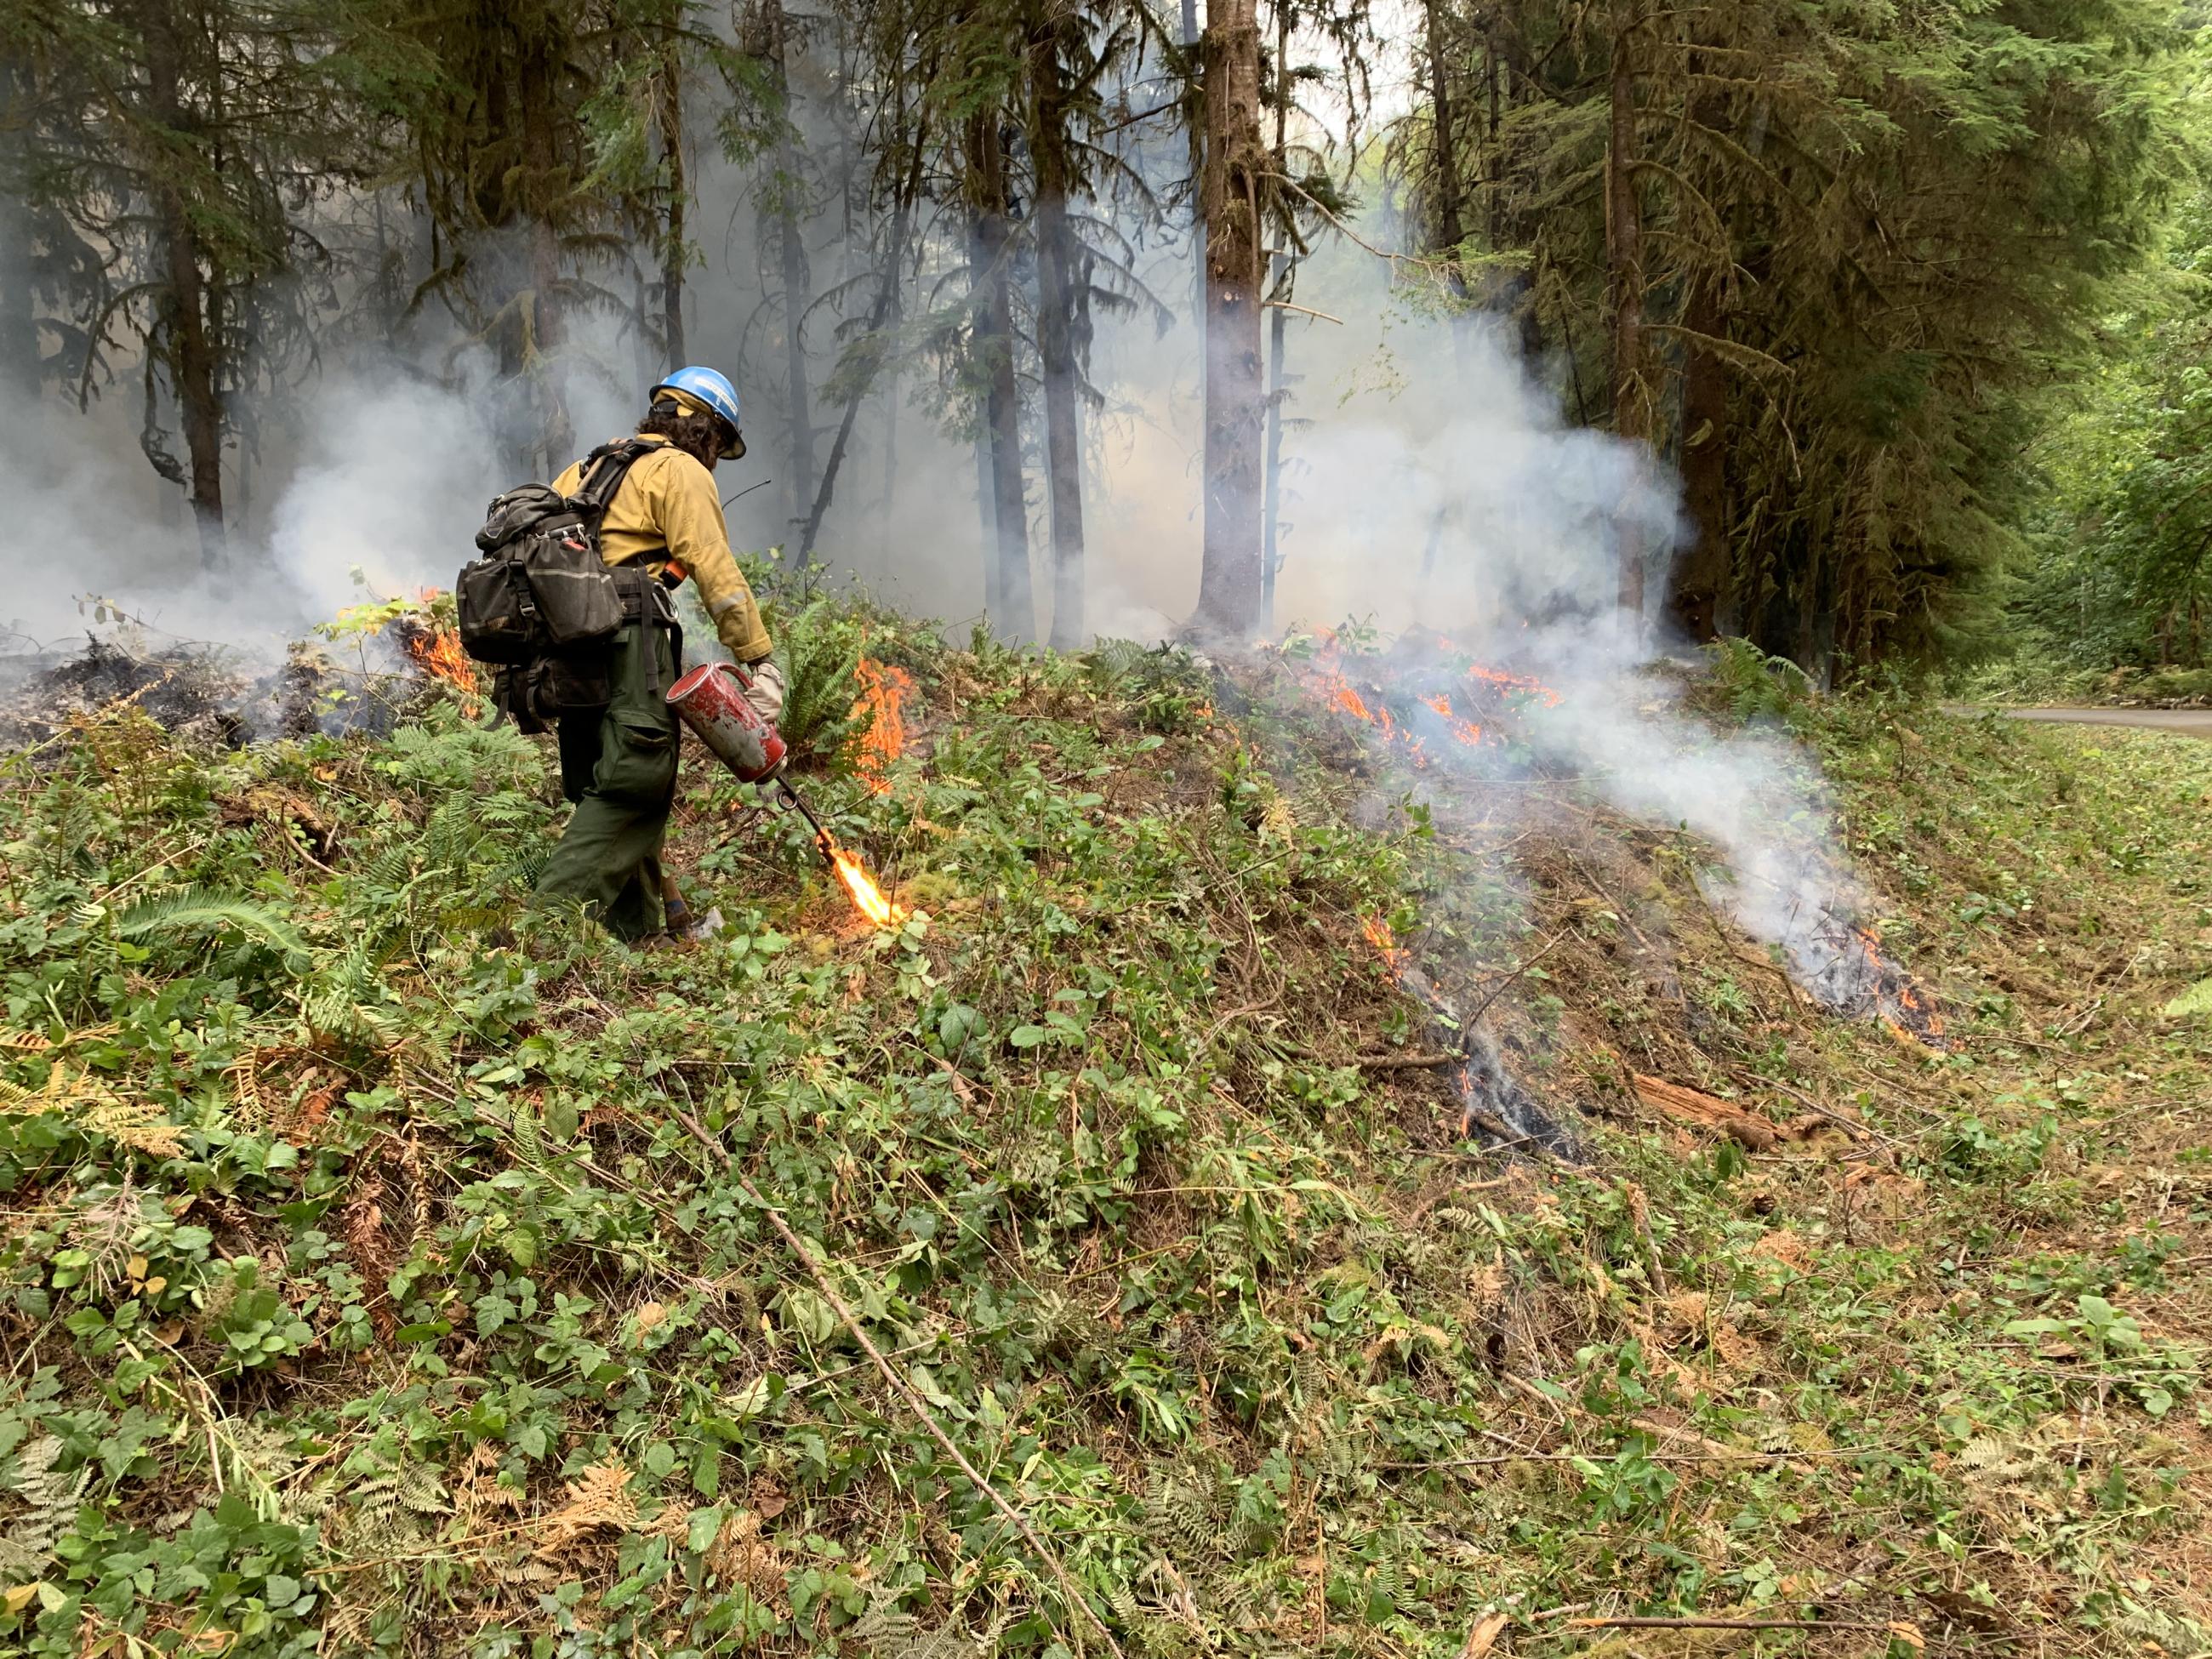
x=933, y=242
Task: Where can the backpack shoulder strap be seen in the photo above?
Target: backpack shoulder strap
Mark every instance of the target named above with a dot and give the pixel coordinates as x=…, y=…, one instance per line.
x=603, y=469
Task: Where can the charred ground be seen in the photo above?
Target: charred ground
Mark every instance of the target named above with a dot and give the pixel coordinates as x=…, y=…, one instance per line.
x=364, y=1277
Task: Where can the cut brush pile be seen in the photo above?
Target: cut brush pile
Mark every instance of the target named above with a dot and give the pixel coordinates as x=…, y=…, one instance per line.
x=388, y=1268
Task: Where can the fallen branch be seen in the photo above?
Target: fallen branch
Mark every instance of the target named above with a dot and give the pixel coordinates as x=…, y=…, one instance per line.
x=1724, y=1624
x=1414, y=1063
x=1489, y=1460
x=1484, y=1635
x=1698, y=1109
x=900, y=1387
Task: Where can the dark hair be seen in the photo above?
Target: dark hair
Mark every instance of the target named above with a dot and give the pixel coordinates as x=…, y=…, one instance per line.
x=703, y=435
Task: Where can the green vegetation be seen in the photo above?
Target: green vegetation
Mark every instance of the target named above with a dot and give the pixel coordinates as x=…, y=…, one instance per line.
x=2124, y=566
x=373, y=1280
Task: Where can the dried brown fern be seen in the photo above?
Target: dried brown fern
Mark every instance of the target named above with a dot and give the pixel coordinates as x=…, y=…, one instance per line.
x=478, y=1492
x=739, y=1555
x=370, y=1247
x=245, y=1075
x=600, y=1498
x=81, y=1098
x=423, y=1213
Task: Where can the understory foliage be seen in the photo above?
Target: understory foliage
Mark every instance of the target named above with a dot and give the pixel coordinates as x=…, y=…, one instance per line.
x=2125, y=579
x=373, y=1279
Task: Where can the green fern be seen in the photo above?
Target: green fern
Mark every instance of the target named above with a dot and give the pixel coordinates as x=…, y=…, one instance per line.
x=1758, y=684
x=1113, y=664
x=196, y=907
x=1182, y=1515
x=821, y=653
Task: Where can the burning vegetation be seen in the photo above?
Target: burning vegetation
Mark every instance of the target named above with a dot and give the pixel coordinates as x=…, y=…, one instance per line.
x=869, y=899
x=883, y=689
x=433, y=647
x=1460, y=728
x=1424, y=699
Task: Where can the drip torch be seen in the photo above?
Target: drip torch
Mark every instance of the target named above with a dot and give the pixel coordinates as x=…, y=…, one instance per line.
x=711, y=701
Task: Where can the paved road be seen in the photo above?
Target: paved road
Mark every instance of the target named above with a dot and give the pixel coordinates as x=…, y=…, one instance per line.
x=2193, y=722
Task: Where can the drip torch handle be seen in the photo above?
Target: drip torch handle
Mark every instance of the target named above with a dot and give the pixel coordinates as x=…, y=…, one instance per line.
x=822, y=843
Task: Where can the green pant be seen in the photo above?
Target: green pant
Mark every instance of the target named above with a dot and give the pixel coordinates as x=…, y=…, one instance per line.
x=620, y=770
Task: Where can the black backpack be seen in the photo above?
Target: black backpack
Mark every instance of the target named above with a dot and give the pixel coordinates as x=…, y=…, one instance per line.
x=541, y=605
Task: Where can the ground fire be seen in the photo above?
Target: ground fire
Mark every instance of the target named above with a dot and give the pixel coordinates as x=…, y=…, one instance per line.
x=884, y=688
x=861, y=887
x=1470, y=702
x=1474, y=709
x=435, y=650
x=1859, y=981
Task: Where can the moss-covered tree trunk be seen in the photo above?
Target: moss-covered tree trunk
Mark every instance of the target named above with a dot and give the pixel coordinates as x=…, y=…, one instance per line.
x=19, y=322
x=1229, y=592
x=1699, y=591
x=191, y=342
x=1624, y=246
x=994, y=351
x=668, y=125
x=1058, y=299
x=792, y=275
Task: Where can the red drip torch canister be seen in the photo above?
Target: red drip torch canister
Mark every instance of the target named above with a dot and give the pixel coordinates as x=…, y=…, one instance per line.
x=711, y=701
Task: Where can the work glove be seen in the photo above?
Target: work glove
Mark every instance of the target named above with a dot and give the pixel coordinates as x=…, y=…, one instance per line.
x=765, y=692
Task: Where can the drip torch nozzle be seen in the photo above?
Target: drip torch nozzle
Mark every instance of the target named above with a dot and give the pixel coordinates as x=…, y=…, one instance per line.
x=822, y=840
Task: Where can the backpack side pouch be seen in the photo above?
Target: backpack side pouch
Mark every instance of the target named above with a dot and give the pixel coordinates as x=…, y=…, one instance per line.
x=497, y=612
x=575, y=591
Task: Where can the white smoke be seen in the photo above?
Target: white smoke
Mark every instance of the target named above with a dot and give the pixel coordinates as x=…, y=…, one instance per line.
x=388, y=486
x=1440, y=488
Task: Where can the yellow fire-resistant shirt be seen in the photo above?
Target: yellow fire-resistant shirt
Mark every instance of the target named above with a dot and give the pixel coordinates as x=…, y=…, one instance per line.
x=666, y=511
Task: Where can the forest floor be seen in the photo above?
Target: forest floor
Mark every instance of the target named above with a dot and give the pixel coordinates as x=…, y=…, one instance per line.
x=2189, y=722
x=385, y=1267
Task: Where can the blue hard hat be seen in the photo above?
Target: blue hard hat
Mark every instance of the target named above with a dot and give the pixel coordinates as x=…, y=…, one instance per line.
x=713, y=388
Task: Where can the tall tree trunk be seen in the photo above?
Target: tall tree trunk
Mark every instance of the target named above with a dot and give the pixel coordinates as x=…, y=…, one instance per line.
x=1493, y=149
x=193, y=352
x=1271, y=557
x=885, y=309
x=1057, y=300
x=1271, y=543
x=1449, y=231
x=19, y=321
x=545, y=334
x=994, y=345
x=1229, y=577
x=1624, y=237
x=792, y=252
x=1189, y=37
x=1702, y=578
x=987, y=514
x=668, y=121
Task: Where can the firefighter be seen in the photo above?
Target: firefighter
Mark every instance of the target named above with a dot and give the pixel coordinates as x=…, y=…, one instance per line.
x=665, y=521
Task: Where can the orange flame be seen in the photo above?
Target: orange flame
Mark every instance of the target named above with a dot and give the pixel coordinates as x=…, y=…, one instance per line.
x=1342, y=694
x=1385, y=942
x=861, y=887
x=437, y=652
x=884, y=688
x=1462, y=730
x=1542, y=692
x=1324, y=676
x=1899, y=986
